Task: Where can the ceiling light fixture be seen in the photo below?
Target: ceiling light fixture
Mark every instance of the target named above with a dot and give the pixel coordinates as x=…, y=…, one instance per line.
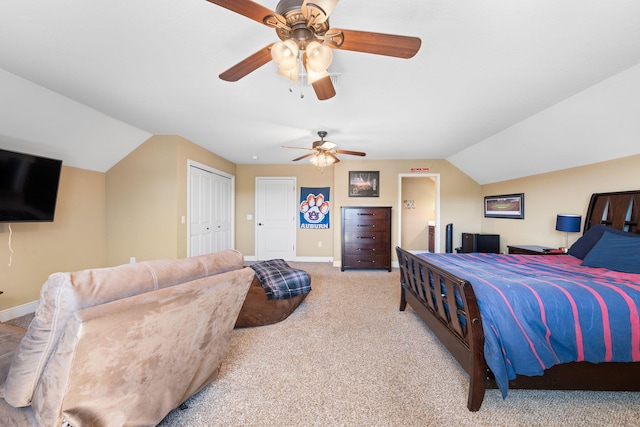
x=323, y=153
x=314, y=57
x=322, y=160
x=307, y=41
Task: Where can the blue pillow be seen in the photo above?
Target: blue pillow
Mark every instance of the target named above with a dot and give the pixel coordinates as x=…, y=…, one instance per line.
x=583, y=245
x=615, y=252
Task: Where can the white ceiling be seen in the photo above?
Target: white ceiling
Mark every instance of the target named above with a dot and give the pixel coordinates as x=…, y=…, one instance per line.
x=495, y=82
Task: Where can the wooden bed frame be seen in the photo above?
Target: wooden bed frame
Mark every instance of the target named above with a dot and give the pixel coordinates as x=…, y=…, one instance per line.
x=465, y=340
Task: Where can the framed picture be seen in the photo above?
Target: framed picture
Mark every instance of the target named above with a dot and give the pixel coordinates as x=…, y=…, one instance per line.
x=505, y=206
x=364, y=184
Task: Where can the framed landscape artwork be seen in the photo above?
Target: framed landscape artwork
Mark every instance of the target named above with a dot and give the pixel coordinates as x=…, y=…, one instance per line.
x=364, y=184
x=505, y=206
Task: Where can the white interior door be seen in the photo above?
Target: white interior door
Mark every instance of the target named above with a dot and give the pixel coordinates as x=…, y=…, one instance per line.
x=210, y=210
x=275, y=218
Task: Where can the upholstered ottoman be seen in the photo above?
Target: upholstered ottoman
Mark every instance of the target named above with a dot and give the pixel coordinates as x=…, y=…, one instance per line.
x=276, y=291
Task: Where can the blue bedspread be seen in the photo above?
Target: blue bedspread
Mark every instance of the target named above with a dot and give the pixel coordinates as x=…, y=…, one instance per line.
x=539, y=311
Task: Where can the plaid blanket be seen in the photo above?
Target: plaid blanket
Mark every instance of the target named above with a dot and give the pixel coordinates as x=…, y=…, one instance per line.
x=280, y=281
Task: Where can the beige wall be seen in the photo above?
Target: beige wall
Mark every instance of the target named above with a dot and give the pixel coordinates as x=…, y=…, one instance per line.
x=142, y=203
x=306, y=176
x=565, y=191
x=147, y=198
x=459, y=194
x=459, y=199
x=420, y=195
x=135, y=209
x=74, y=241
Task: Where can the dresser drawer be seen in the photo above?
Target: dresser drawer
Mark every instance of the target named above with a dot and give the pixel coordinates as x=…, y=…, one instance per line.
x=369, y=238
x=367, y=261
x=367, y=254
x=366, y=214
x=366, y=224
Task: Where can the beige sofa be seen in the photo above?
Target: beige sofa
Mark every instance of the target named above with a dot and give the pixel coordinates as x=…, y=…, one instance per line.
x=122, y=345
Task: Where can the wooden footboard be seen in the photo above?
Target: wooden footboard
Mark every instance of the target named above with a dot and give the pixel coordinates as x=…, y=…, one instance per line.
x=448, y=306
x=432, y=291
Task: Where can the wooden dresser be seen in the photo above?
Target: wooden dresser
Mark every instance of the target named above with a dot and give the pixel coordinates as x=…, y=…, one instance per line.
x=366, y=237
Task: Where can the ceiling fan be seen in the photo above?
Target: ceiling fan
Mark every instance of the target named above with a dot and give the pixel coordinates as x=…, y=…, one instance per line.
x=324, y=152
x=307, y=40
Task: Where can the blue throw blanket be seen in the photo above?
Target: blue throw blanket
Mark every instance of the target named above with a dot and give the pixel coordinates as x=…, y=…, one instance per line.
x=280, y=281
x=539, y=311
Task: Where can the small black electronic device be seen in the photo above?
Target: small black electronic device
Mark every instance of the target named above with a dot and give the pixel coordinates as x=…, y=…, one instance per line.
x=487, y=243
x=448, y=247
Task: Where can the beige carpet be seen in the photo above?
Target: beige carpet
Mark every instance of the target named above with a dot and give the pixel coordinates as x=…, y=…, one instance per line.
x=348, y=357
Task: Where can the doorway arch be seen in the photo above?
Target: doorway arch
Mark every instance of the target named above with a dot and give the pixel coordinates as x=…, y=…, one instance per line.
x=419, y=207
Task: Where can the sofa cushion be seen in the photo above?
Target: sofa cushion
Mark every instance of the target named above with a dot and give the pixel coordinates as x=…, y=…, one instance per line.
x=64, y=293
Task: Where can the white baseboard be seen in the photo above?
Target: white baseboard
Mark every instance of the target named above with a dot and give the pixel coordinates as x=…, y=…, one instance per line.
x=394, y=264
x=313, y=259
x=298, y=258
x=21, y=310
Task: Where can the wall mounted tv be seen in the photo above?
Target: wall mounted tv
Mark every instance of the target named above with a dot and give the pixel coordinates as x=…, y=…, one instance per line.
x=28, y=187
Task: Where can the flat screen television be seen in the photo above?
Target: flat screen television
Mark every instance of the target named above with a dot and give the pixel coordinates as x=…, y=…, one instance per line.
x=28, y=187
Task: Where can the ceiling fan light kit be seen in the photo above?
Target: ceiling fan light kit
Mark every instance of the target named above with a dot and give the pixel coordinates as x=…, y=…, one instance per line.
x=322, y=160
x=285, y=54
x=324, y=152
x=306, y=39
x=319, y=57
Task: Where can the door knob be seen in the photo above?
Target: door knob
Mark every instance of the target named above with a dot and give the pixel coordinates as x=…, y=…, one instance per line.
x=259, y=223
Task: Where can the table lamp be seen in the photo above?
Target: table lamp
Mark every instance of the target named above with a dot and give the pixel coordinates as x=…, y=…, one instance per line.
x=569, y=223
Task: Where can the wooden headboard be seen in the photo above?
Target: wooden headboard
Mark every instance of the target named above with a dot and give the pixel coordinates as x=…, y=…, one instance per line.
x=619, y=210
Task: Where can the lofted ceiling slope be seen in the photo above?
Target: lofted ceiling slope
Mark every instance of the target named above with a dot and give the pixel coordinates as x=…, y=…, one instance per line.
x=501, y=88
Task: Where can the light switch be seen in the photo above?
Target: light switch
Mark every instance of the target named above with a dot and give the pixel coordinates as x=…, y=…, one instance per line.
x=249, y=217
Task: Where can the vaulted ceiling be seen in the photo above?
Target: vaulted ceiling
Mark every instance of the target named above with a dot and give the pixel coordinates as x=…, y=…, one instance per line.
x=501, y=88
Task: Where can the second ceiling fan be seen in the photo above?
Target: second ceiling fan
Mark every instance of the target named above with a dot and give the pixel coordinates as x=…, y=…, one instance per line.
x=307, y=40
x=324, y=152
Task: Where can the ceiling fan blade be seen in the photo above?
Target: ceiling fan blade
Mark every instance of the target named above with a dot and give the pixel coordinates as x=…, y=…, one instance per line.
x=248, y=65
x=377, y=43
x=351, y=153
x=327, y=145
x=336, y=160
x=324, y=88
x=248, y=8
x=302, y=157
x=299, y=148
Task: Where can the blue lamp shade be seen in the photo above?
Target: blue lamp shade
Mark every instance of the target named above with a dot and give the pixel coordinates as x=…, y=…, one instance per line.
x=569, y=223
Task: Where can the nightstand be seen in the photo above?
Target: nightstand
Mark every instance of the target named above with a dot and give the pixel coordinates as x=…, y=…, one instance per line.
x=534, y=250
